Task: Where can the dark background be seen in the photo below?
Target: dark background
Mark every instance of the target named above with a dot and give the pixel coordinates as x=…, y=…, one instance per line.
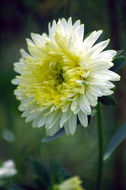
x=19, y=140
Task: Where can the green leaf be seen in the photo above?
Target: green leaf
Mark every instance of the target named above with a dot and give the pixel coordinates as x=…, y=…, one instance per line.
x=118, y=63
x=114, y=89
x=55, y=173
x=93, y=113
x=107, y=100
x=58, y=134
x=119, y=52
x=41, y=172
x=117, y=138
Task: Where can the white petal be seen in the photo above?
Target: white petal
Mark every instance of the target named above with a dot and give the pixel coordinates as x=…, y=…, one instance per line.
x=110, y=85
x=52, y=131
x=34, y=50
x=64, y=24
x=84, y=104
x=37, y=120
x=91, y=39
x=80, y=33
x=94, y=92
x=97, y=66
x=83, y=119
x=55, y=120
x=64, y=117
x=51, y=117
x=52, y=29
x=72, y=124
x=92, y=99
x=66, y=127
x=31, y=117
x=38, y=39
x=19, y=67
x=70, y=22
x=77, y=109
x=108, y=54
x=74, y=103
x=25, y=113
x=76, y=24
x=24, y=53
x=16, y=81
x=27, y=101
x=42, y=122
x=108, y=75
x=96, y=49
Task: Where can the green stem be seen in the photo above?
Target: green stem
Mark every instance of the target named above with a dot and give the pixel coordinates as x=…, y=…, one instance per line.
x=100, y=147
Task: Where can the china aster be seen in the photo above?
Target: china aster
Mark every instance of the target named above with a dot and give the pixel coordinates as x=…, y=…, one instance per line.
x=62, y=76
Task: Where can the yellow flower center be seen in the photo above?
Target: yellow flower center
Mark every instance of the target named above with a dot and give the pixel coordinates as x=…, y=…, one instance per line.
x=54, y=79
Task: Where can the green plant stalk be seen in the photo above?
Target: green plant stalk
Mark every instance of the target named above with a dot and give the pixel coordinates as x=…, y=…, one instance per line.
x=100, y=147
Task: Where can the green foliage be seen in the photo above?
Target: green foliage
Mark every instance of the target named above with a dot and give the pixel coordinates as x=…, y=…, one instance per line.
x=117, y=138
x=107, y=100
x=119, y=52
x=57, y=174
x=44, y=178
x=119, y=60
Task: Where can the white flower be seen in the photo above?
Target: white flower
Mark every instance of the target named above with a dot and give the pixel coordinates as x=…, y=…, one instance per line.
x=8, y=169
x=62, y=76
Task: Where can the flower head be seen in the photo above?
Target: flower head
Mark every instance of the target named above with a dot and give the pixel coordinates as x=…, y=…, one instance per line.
x=62, y=76
x=8, y=169
x=73, y=183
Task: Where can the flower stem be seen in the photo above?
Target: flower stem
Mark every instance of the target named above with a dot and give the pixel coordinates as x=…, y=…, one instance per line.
x=100, y=147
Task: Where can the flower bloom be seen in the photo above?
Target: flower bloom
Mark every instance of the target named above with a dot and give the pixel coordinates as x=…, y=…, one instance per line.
x=62, y=76
x=73, y=183
x=8, y=169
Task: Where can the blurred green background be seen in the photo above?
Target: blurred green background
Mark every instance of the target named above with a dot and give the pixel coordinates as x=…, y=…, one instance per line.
x=19, y=140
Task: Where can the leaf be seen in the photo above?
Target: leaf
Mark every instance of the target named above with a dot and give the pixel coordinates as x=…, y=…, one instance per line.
x=93, y=113
x=114, y=89
x=118, y=63
x=117, y=138
x=58, y=134
x=119, y=52
x=107, y=100
x=41, y=172
x=55, y=173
